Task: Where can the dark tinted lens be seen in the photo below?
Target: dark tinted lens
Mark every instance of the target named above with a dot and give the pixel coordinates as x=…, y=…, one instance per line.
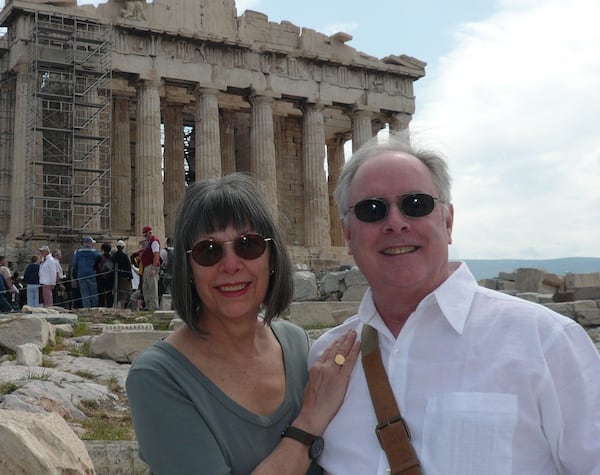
x=250, y=246
x=416, y=205
x=371, y=210
x=207, y=252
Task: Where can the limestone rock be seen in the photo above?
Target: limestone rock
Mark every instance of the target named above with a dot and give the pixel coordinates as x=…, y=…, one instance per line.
x=40, y=443
x=24, y=329
x=123, y=346
x=29, y=354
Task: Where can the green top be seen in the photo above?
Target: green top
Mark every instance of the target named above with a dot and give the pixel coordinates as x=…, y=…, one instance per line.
x=186, y=425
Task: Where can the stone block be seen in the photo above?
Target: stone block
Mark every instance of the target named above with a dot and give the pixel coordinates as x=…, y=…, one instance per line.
x=564, y=308
x=563, y=297
x=36, y=443
x=589, y=279
x=532, y=280
x=586, y=293
x=116, y=457
x=489, y=283
x=530, y=296
x=29, y=354
x=333, y=282
x=24, y=329
x=553, y=280
x=314, y=314
x=355, y=277
x=510, y=276
x=506, y=285
x=123, y=346
x=588, y=317
x=354, y=293
x=341, y=315
x=305, y=286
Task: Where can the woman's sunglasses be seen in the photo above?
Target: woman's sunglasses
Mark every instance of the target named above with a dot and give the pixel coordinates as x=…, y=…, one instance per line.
x=209, y=252
x=413, y=205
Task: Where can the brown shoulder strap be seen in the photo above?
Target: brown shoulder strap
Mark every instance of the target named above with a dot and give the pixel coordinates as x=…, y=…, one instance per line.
x=392, y=430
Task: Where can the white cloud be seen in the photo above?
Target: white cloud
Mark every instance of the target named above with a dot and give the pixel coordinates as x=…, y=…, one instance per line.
x=516, y=107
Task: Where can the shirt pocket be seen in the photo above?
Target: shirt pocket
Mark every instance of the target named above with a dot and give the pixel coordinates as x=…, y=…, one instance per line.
x=469, y=434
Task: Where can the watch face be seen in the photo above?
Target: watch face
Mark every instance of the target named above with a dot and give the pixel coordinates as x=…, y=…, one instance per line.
x=316, y=448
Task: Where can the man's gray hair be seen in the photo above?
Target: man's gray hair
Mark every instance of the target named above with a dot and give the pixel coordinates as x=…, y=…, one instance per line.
x=394, y=142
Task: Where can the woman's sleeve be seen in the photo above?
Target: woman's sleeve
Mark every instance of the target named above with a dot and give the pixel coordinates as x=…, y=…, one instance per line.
x=172, y=435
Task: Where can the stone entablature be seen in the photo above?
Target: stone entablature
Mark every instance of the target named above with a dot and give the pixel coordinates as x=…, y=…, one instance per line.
x=262, y=97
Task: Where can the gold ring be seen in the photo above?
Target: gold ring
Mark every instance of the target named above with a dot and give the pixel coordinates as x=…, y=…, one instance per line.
x=339, y=359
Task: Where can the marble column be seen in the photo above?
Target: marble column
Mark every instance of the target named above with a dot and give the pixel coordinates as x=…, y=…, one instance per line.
x=208, y=141
x=362, y=130
x=316, y=206
x=227, y=142
x=399, y=121
x=20, y=181
x=335, y=161
x=148, y=160
x=174, y=163
x=262, y=147
x=121, y=167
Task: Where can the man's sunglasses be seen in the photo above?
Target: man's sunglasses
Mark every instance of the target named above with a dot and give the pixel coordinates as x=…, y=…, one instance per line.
x=413, y=205
x=209, y=252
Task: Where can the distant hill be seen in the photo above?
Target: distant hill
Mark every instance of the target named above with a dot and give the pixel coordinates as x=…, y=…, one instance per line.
x=489, y=268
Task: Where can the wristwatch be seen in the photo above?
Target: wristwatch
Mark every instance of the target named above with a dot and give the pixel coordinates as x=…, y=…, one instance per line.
x=314, y=443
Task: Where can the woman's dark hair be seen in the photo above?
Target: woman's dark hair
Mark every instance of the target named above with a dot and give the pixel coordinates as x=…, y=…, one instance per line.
x=212, y=205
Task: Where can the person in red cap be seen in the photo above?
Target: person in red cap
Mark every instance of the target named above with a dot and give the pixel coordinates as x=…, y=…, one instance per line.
x=150, y=257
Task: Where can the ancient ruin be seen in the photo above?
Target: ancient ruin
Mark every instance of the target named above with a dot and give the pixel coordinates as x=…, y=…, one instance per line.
x=107, y=112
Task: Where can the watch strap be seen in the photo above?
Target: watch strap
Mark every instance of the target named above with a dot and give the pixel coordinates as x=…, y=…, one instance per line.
x=299, y=435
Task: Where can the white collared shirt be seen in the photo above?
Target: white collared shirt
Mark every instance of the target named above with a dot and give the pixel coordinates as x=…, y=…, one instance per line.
x=49, y=270
x=489, y=384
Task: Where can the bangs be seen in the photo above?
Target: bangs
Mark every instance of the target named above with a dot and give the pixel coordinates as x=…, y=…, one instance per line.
x=222, y=205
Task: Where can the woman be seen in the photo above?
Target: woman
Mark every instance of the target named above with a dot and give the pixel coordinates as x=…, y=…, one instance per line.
x=216, y=395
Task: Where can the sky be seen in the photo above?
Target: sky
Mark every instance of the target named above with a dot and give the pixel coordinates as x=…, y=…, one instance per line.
x=511, y=97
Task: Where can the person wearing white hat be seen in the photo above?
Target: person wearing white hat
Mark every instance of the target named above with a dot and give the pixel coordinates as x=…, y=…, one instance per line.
x=50, y=273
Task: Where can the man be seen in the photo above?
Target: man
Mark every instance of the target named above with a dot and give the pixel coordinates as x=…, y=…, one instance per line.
x=150, y=257
x=59, y=293
x=487, y=383
x=105, y=276
x=84, y=271
x=50, y=273
x=123, y=265
x=166, y=269
x=32, y=282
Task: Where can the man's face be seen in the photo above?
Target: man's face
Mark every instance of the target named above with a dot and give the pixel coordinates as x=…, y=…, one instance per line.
x=399, y=253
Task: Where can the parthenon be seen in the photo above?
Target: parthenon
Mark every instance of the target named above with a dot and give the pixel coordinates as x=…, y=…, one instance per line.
x=108, y=111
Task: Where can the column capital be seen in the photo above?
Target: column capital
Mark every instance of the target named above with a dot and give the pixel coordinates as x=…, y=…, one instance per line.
x=149, y=83
x=358, y=109
x=311, y=105
x=256, y=95
x=201, y=89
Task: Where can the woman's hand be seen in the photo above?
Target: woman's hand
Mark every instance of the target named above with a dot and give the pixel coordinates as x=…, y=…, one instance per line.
x=327, y=384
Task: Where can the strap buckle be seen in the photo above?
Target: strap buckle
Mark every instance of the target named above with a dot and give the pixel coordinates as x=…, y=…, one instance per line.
x=387, y=423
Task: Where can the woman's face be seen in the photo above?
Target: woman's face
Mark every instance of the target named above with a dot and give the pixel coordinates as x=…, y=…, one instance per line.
x=234, y=288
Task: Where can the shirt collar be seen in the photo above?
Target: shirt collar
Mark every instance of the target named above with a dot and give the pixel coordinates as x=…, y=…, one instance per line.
x=453, y=298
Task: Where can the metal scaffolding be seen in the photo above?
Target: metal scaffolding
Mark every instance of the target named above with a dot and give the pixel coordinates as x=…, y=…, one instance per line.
x=69, y=127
